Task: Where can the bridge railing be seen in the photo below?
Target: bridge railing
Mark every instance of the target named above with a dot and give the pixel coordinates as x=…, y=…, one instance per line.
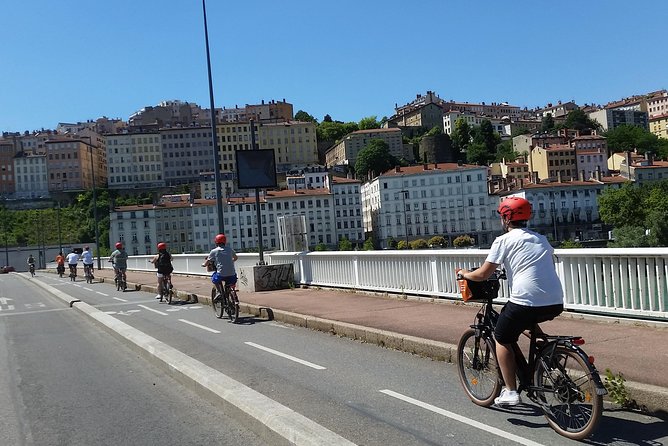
x=621, y=282
x=630, y=282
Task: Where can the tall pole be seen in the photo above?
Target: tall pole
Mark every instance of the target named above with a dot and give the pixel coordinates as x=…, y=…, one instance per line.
x=60, y=239
x=214, y=137
x=97, y=230
x=257, y=202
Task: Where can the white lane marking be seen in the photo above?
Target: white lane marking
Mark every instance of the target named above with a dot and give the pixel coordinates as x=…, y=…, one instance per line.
x=461, y=419
x=275, y=324
x=151, y=309
x=286, y=356
x=88, y=289
x=103, y=294
x=122, y=300
x=199, y=326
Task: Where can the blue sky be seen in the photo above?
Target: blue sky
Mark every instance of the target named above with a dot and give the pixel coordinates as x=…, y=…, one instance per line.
x=76, y=60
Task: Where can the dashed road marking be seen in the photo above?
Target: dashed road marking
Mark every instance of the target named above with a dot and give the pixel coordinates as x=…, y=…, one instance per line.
x=119, y=299
x=199, y=326
x=461, y=419
x=103, y=294
x=286, y=356
x=151, y=309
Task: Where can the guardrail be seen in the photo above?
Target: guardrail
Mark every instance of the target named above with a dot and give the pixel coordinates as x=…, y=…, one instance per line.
x=620, y=282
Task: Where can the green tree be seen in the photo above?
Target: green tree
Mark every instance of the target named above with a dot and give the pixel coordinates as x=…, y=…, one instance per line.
x=302, y=116
x=419, y=244
x=436, y=130
x=438, y=241
x=368, y=123
x=520, y=131
x=578, y=120
x=630, y=137
x=334, y=131
x=391, y=243
x=403, y=244
x=504, y=151
x=321, y=247
x=570, y=244
x=463, y=241
x=547, y=123
x=368, y=244
x=375, y=157
x=461, y=135
x=477, y=153
x=345, y=245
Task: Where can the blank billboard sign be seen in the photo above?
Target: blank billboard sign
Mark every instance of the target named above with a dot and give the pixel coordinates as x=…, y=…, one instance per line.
x=256, y=169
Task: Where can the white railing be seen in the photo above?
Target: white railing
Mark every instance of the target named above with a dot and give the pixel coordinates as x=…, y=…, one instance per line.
x=629, y=282
x=622, y=282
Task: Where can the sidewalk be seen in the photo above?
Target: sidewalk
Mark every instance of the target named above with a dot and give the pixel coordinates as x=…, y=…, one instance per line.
x=432, y=328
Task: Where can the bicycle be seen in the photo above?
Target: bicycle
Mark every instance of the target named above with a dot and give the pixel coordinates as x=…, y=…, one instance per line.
x=166, y=289
x=558, y=376
x=224, y=299
x=88, y=273
x=32, y=269
x=120, y=279
x=61, y=270
x=73, y=273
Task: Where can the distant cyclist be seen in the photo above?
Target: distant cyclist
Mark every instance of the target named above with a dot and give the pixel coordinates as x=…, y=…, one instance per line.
x=119, y=260
x=31, y=264
x=87, y=259
x=163, y=262
x=535, y=290
x=60, y=263
x=72, y=260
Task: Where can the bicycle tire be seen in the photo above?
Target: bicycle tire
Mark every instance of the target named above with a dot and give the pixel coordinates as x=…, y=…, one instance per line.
x=170, y=294
x=567, y=393
x=232, y=306
x=217, y=303
x=478, y=372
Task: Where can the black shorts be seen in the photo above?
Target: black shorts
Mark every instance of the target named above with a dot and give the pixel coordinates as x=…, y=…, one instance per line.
x=514, y=319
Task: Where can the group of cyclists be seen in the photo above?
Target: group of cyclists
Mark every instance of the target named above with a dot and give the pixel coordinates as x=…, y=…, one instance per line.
x=72, y=259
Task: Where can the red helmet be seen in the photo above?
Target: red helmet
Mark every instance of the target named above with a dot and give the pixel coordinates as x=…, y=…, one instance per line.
x=161, y=246
x=220, y=239
x=515, y=209
x=119, y=245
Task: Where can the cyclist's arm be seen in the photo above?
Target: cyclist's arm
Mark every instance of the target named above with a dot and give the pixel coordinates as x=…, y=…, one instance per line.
x=480, y=274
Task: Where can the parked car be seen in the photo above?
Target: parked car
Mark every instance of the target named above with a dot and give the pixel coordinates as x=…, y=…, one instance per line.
x=7, y=269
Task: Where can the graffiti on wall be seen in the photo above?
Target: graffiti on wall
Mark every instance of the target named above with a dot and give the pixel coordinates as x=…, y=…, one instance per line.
x=273, y=277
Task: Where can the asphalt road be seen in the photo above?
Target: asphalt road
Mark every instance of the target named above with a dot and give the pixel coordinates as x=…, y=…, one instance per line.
x=364, y=393
x=63, y=381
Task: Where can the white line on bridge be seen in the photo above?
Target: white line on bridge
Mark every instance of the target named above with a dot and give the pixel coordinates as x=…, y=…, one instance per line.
x=88, y=289
x=461, y=419
x=103, y=294
x=122, y=300
x=151, y=309
x=199, y=326
x=286, y=356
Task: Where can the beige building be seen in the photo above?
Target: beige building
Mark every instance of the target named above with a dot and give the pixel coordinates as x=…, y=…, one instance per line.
x=513, y=172
x=643, y=170
x=233, y=136
x=345, y=151
x=134, y=160
x=658, y=124
x=473, y=120
x=272, y=111
x=555, y=162
x=31, y=175
x=657, y=105
x=294, y=143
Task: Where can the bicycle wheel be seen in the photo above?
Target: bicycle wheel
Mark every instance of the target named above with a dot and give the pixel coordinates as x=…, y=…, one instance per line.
x=567, y=393
x=217, y=303
x=170, y=293
x=232, y=306
x=478, y=369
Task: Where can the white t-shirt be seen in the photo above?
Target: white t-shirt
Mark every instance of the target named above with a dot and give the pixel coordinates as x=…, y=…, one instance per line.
x=87, y=257
x=527, y=258
x=72, y=258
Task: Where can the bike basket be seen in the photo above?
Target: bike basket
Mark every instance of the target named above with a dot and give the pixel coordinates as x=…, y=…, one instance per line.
x=478, y=291
x=216, y=278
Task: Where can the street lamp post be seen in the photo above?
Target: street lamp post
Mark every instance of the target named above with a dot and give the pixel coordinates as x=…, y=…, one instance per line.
x=60, y=239
x=97, y=230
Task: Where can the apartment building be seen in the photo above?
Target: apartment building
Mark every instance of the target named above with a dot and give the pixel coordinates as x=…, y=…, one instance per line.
x=554, y=162
x=31, y=177
x=186, y=153
x=591, y=155
x=345, y=151
x=613, y=118
x=643, y=170
x=72, y=162
x=658, y=124
x=233, y=136
x=447, y=199
x=348, y=208
x=472, y=119
x=134, y=160
x=558, y=111
x=657, y=105
x=272, y=111
x=294, y=143
x=566, y=210
x=514, y=172
x=7, y=181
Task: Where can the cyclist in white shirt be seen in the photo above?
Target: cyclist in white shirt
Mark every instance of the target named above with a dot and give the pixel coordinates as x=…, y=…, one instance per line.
x=87, y=259
x=72, y=260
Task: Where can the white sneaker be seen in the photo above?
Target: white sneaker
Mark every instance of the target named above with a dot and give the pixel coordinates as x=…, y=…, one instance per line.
x=508, y=398
x=158, y=296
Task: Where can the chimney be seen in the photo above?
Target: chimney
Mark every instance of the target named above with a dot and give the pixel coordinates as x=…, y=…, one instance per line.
x=558, y=176
x=650, y=158
x=435, y=165
x=521, y=183
x=397, y=169
x=598, y=173
x=582, y=175
x=425, y=167
x=628, y=160
x=534, y=174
